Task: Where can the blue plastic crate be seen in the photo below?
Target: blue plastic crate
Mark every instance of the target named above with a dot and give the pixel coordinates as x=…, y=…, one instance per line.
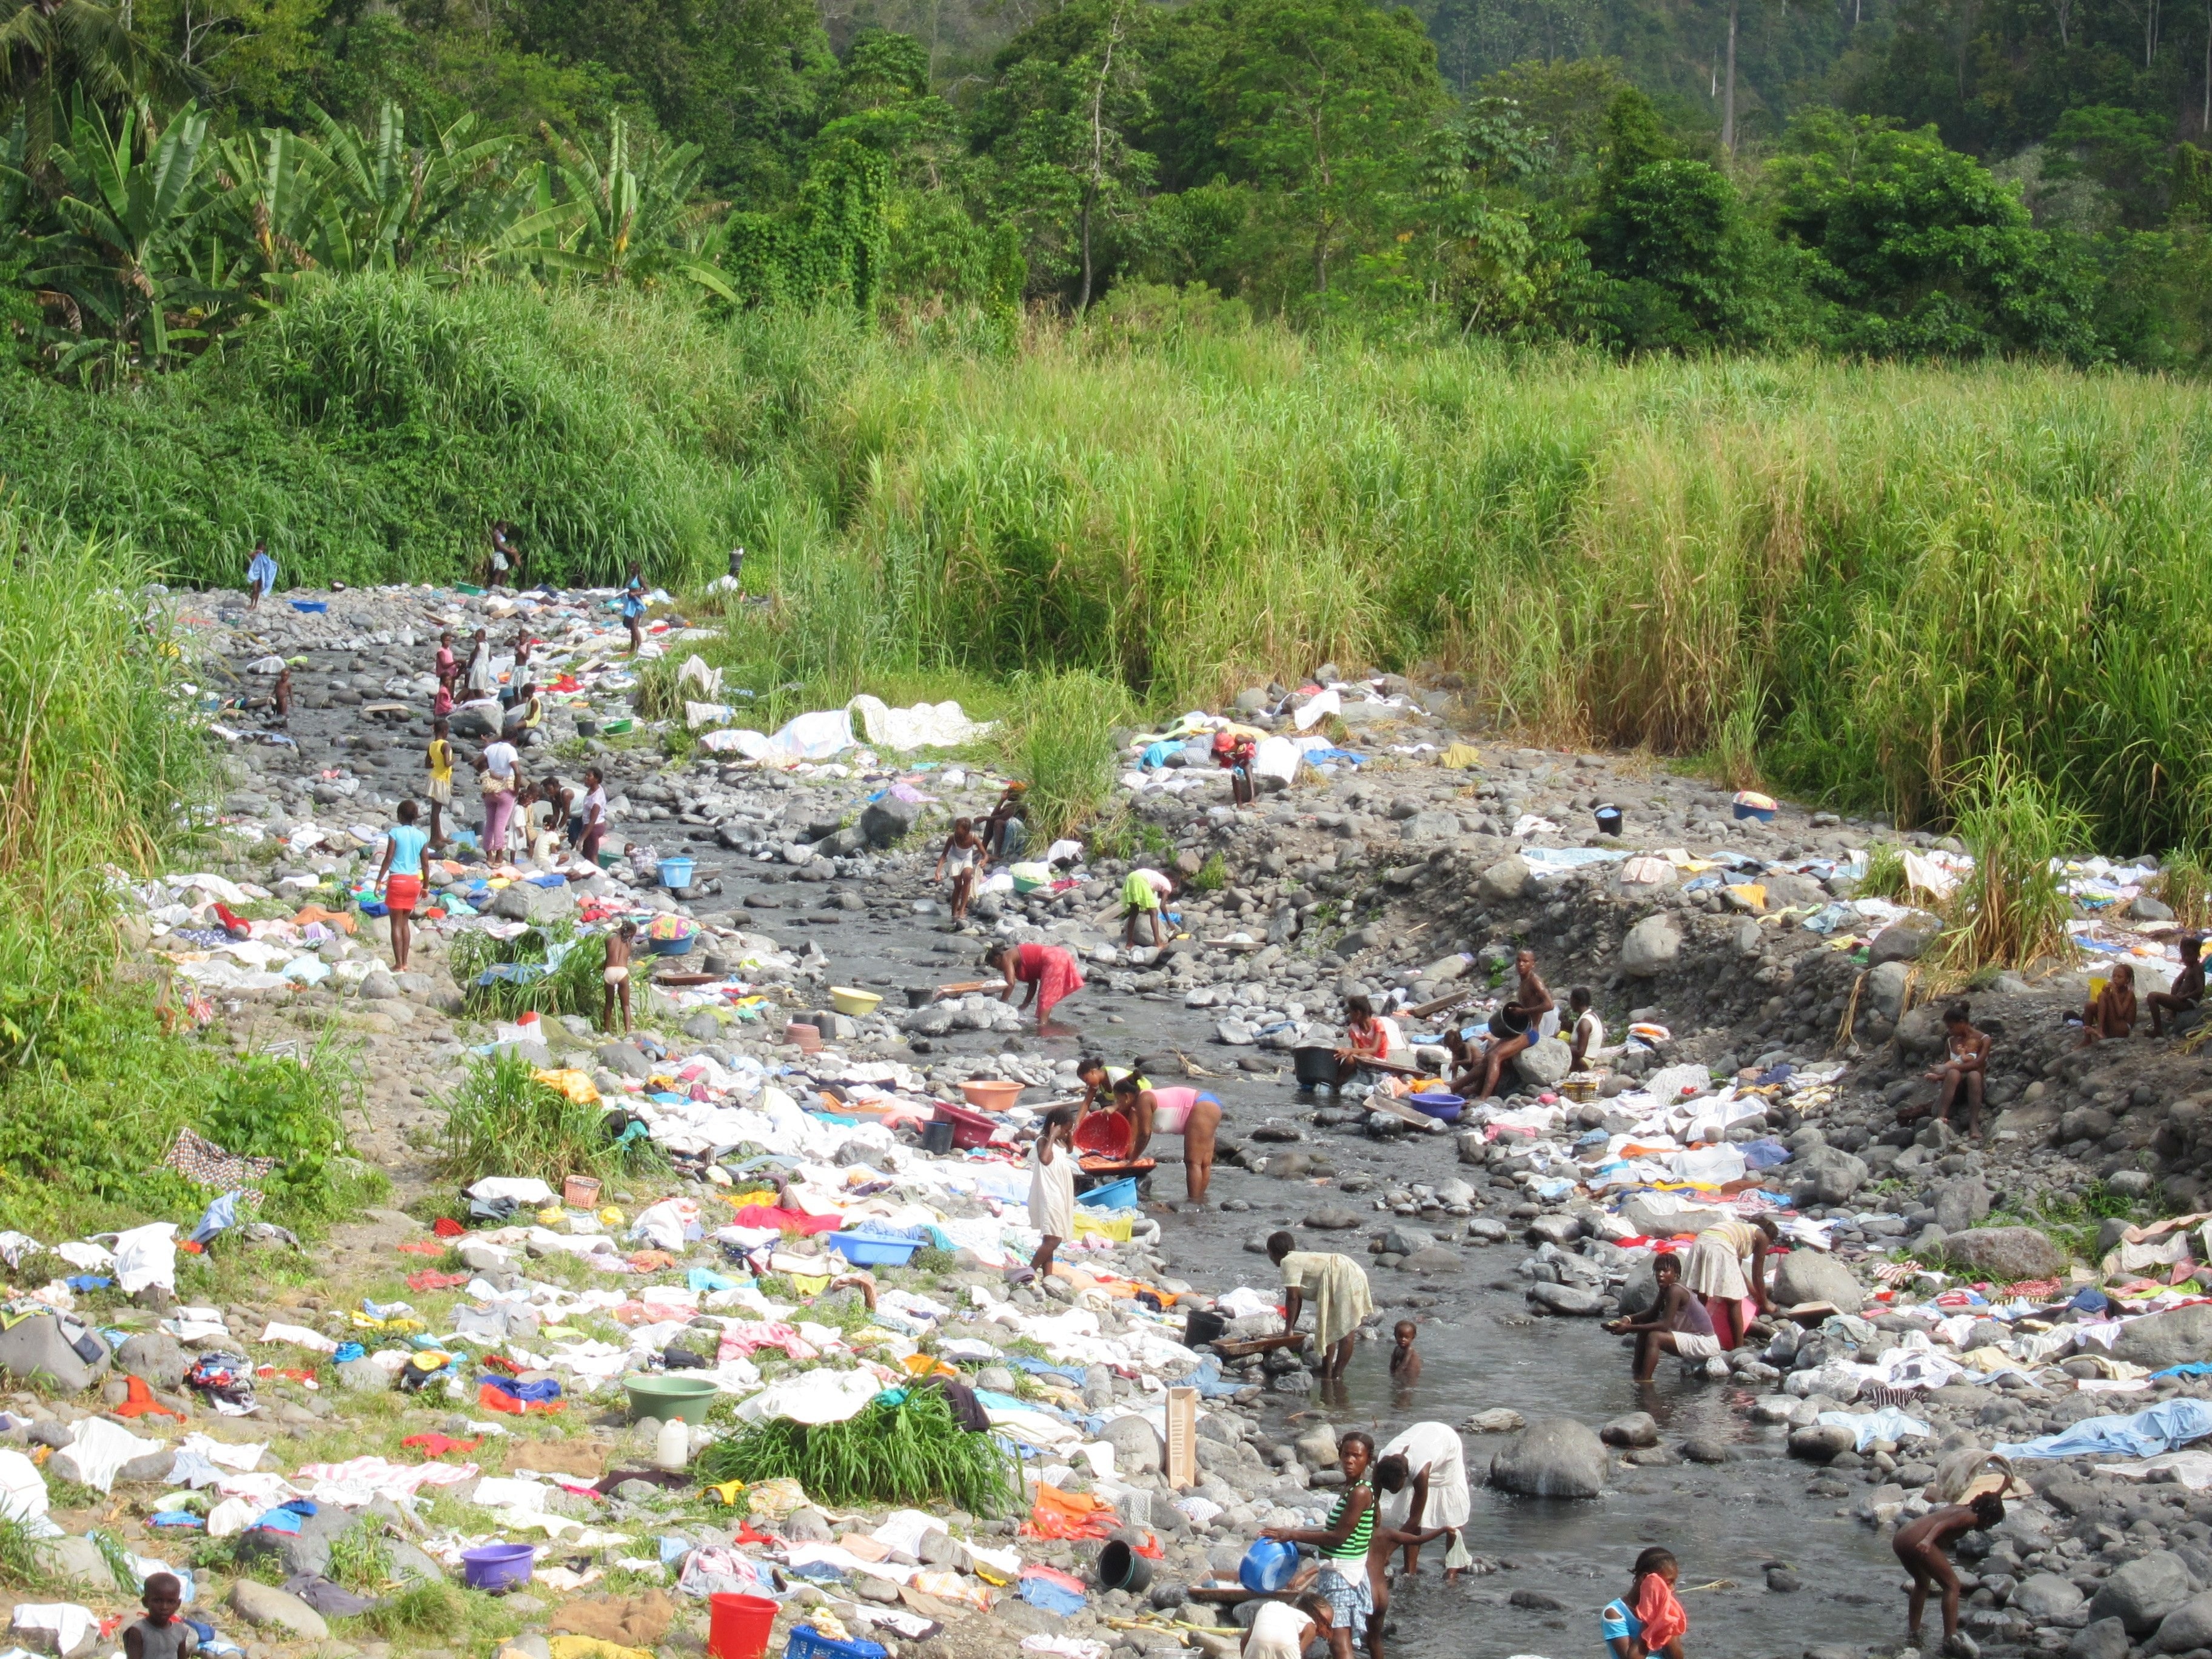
x=808, y=1642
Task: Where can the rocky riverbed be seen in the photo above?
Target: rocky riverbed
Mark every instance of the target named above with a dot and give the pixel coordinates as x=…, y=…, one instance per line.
x=1777, y=1040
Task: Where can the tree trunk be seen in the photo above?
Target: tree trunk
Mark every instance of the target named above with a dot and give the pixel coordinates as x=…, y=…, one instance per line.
x=1082, y=299
x=1727, y=98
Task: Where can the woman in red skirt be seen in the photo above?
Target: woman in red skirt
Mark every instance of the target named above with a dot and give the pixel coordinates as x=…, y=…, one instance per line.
x=400, y=875
x=1049, y=970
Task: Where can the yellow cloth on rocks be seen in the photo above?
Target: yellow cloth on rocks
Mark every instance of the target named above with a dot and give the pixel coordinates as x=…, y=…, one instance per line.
x=590, y=1647
x=1335, y=1285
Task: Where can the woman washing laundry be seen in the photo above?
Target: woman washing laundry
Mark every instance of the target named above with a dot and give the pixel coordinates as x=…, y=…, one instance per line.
x=1422, y=1478
x=1139, y=1111
x=1048, y=970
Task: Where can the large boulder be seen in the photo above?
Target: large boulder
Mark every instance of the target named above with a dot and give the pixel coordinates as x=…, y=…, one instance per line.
x=1959, y=1202
x=1544, y=1062
x=1816, y=1276
x=1905, y=939
x=77, y=1561
x=482, y=718
x=307, y=1550
x=1820, y=1442
x=156, y=1357
x=1826, y=1174
x=1136, y=1445
x=2142, y=1593
x=1636, y=1429
x=525, y=901
x=2047, y=1599
x=1651, y=947
x=2006, y=1253
x=1554, y=1457
x=267, y=1607
x=1570, y=1300
x=2186, y=1629
x=1506, y=879
x=36, y=1348
x=2107, y=1638
x=1885, y=988
x=884, y=822
x=625, y=1059
x=2180, y=1337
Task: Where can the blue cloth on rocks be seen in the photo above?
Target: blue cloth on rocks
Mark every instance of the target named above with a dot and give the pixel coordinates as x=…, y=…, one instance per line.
x=2155, y=1429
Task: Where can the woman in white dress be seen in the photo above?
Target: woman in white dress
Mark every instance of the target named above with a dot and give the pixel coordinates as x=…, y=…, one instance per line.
x=1421, y=1478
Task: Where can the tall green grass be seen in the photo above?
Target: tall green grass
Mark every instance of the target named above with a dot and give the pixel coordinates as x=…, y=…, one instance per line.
x=1851, y=582
x=99, y=786
x=96, y=773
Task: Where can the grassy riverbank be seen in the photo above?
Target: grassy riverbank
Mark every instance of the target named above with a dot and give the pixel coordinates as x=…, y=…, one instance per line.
x=1855, y=580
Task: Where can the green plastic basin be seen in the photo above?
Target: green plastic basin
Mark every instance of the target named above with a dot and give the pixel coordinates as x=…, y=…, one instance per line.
x=663, y=1397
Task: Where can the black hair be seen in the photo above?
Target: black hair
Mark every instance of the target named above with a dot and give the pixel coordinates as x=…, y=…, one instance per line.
x=1059, y=1117
x=1989, y=1508
x=1356, y=1436
x=1280, y=1244
x=1957, y=1014
x=408, y=810
x=1652, y=1561
x=1090, y=1063
x=1129, y=1084
x=1669, y=1257
x=1359, y=1007
x=1315, y=1605
x=1579, y=997
x=1393, y=1472
x=157, y=1581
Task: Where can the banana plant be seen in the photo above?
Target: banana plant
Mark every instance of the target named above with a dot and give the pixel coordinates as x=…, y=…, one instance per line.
x=124, y=258
x=634, y=219
x=277, y=194
x=400, y=202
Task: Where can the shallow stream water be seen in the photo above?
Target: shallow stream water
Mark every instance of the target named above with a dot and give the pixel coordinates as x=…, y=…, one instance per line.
x=1726, y=1522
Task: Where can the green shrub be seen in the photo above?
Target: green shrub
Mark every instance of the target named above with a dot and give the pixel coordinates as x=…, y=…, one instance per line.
x=908, y=1452
x=563, y=968
x=503, y=1121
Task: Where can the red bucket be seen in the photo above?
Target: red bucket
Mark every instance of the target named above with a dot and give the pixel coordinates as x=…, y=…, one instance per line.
x=737, y=1627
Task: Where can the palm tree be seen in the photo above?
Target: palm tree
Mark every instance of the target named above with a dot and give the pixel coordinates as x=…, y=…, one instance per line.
x=58, y=53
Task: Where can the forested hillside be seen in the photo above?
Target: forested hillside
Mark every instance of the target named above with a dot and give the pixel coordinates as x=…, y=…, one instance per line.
x=1902, y=178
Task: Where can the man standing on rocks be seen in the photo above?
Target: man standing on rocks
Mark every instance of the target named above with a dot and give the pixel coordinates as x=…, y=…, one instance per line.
x=1717, y=1272
x=1337, y=1286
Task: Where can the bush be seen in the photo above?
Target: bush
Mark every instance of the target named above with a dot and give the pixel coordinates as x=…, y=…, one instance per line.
x=503, y=1121
x=559, y=972
x=908, y=1451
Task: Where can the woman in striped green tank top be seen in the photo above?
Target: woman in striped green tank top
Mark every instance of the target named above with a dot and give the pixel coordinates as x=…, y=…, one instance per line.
x=1343, y=1541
